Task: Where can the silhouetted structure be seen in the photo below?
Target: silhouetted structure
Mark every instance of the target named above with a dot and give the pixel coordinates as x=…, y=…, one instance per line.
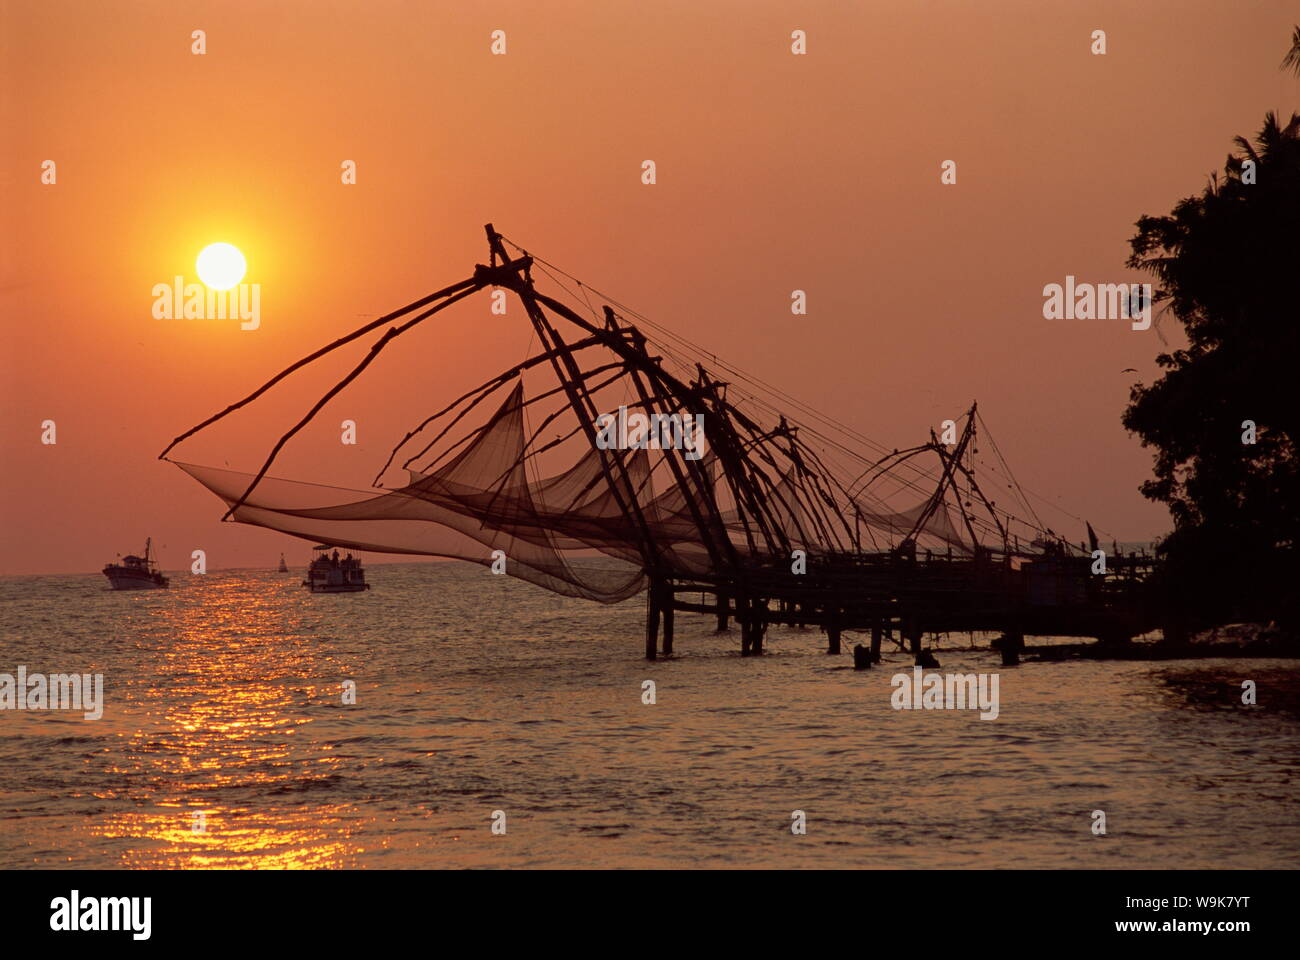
x=767, y=521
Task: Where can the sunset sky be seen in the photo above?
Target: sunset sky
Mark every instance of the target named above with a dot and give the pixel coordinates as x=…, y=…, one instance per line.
x=775, y=172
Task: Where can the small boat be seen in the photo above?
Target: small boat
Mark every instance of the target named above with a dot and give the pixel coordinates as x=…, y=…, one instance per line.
x=329, y=574
x=136, y=573
x=283, y=568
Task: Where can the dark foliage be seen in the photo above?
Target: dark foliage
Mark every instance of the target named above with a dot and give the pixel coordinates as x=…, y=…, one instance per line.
x=1226, y=265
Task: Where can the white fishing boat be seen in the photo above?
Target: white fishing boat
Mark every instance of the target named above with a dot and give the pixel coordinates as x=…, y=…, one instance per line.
x=136, y=573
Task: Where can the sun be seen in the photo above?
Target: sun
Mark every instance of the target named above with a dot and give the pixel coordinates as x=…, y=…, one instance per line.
x=220, y=265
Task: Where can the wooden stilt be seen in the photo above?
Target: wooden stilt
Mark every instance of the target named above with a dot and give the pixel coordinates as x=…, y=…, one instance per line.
x=652, y=622
x=668, y=622
x=912, y=633
x=1013, y=642
x=876, y=634
x=723, y=611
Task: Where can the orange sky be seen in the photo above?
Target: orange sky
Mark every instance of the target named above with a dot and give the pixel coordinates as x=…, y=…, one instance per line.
x=775, y=173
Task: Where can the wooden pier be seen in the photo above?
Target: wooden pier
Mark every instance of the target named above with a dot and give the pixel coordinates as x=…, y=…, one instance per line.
x=888, y=595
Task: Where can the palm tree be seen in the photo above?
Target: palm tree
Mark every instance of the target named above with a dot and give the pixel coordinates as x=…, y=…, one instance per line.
x=1273, y=140
x=1292, y=58
x=1224, y=262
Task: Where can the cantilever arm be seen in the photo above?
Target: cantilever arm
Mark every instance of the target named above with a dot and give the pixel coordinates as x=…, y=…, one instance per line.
x=471, y=283
x=356, y=372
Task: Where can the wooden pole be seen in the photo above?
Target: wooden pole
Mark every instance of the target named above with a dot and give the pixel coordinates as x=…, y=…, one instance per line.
x=875, y=642
x=1013, y=641
x=375, y=350
x=668, y=619
x=651, y=622
x=745, y=615
x=861, y=657
x=469, y=284
x=913, y=634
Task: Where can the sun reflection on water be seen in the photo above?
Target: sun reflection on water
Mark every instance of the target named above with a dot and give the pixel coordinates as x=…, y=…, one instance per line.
x=220, y=731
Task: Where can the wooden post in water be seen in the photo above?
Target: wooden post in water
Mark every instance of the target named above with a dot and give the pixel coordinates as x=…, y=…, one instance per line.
x=723, y=610
x=861, y=657
x=1013, y=641
x=652, y=621
x=668, y=619
x=875, y=642
x=912, y=632
x=833, y=632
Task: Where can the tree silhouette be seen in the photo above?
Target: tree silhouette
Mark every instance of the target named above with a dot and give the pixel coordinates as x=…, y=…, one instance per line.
x=1225, y=262
x=1292, y=59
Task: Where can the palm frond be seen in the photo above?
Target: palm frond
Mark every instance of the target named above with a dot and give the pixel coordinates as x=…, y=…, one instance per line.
x=1292, y=60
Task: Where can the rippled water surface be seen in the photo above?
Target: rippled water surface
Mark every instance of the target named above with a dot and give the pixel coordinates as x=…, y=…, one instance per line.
x=478, y=693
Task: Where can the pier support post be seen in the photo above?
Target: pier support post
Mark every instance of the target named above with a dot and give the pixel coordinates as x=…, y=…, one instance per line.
x=833, y=638
x=668, y=620
x=912, y=632
x=861, y=658
x=875, y=642
x=652, y=621
x=723, y=610
x=1013, y=641
x=752, y=625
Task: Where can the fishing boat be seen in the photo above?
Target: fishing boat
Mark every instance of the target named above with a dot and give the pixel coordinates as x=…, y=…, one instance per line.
x=136, y=573
x=283, y=567
x=330, y=574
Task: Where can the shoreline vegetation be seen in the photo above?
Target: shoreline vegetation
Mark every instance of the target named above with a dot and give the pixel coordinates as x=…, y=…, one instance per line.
x=1222, y=420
